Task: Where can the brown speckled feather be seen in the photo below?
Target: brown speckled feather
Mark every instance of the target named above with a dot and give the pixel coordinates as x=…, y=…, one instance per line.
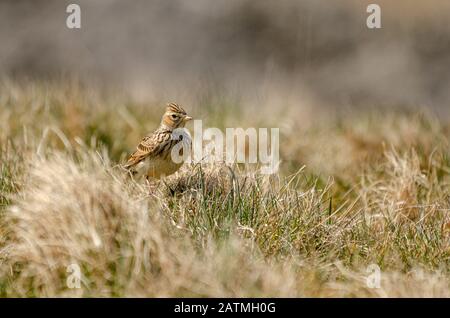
x=150, y=146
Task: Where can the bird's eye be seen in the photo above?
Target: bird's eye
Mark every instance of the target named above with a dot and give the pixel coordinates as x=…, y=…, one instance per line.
x=173, y=116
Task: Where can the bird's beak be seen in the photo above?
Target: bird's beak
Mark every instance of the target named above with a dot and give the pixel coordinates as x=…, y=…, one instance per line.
x=187, y=118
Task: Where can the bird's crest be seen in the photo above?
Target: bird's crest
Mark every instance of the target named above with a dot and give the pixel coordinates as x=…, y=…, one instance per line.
x=175, y=108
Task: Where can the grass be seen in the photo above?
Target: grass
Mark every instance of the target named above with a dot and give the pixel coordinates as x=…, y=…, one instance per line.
x=353, y=190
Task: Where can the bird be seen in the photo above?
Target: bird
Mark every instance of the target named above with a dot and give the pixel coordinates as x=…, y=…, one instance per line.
x=153, y=156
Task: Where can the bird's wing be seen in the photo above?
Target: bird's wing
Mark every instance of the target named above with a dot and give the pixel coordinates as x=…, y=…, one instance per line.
x=151, y=145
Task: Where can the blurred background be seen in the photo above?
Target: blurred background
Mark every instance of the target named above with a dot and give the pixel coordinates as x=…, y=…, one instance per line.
x=313, y=51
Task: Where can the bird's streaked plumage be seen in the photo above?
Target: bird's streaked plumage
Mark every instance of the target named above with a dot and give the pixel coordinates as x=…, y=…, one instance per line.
x=152, y=157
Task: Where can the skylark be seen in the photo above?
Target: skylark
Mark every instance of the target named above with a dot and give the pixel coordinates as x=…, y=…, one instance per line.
x=153, y=157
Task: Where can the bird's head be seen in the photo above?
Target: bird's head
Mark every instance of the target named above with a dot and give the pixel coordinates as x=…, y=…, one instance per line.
x=175, y=116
